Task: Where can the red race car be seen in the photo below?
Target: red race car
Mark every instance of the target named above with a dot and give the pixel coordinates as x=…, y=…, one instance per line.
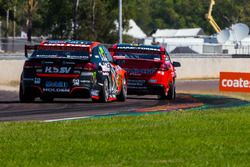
x=150, y=69
x=75, y=69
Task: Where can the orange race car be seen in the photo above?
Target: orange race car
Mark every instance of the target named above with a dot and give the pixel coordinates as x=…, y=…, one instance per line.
x=80, y=69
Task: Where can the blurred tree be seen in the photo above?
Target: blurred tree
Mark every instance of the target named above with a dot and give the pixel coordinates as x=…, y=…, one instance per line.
x=96, y=18
x=57, y=18
x=30, y=8
x=7, y=14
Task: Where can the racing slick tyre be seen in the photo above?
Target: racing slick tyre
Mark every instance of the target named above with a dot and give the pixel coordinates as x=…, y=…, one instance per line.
x=47, y=98
x=123, y=94
x=95, y=100
x=25, y=97
x=104, y=94
x=171, y=94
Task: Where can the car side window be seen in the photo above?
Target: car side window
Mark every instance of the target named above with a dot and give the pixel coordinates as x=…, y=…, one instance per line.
x=102, y=54
x=167, y=59
x=96, y=57
x=108, y=55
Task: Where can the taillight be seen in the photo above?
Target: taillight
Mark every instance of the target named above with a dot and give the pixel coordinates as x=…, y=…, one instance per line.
x=89, y=67
x=30, y=65
x=86, y=67
x=37, y=65
x=164, y=67
x=79, y=67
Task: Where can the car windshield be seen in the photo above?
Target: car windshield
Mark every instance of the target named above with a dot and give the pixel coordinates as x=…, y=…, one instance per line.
x=146, y=56
x=60, y=54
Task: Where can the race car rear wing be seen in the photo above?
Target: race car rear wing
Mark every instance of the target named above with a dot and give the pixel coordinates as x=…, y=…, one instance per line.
x=112, y=50
x=28, y=48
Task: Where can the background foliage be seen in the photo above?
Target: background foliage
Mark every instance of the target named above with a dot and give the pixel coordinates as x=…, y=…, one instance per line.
x=95, y=18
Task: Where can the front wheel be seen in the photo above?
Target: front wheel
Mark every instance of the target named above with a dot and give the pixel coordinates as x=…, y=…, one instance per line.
x=104, y=94
x=123, y=94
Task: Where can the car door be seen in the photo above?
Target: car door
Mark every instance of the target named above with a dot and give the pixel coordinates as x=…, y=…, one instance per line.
x=168, y=60
x=101, y=62
x=116, y=70
x=106, y=66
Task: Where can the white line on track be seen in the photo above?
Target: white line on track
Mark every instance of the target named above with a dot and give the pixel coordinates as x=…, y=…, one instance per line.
x=67, y=119
x=76, y=118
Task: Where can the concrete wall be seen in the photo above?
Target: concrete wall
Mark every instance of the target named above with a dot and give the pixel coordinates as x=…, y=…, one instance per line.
x=10, y=71
x=209, y=67
x=193, y=67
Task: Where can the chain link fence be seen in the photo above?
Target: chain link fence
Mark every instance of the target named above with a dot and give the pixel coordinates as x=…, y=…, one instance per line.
x=212, y=49
x=16, y=45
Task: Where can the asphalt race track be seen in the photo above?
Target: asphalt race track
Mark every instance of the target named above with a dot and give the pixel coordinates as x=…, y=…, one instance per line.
x=12, y=110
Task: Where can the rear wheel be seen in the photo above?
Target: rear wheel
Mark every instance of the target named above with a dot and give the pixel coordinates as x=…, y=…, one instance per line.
x=123, y=94
x=171, y=94
x=24, y=96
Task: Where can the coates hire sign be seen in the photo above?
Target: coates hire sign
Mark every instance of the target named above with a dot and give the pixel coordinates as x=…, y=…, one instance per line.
x=235, y=82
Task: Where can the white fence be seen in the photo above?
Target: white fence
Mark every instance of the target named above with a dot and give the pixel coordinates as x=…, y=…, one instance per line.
x=208, y=49
x=17, y=45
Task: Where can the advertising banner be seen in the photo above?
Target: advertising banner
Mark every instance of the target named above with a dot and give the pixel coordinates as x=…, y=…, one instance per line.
x=235, y=82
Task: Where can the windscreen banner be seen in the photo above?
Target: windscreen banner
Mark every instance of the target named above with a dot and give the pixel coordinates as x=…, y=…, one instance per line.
x=234, y=82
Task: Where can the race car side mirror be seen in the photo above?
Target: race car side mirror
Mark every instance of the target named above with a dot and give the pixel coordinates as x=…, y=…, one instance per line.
x=176, y=64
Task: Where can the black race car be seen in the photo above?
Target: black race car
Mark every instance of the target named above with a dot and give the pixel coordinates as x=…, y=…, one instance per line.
x=71, y=69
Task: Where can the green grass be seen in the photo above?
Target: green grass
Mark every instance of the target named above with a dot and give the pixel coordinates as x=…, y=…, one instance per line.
x=183, y=138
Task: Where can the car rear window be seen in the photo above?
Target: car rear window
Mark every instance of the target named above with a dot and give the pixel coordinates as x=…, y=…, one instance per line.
x=60, y=54
x=147, y=56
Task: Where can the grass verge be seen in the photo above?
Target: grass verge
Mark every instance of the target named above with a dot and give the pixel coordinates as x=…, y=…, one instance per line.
x=218, y=137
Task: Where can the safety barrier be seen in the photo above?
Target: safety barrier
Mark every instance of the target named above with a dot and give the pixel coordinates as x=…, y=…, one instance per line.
x=192, y=67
